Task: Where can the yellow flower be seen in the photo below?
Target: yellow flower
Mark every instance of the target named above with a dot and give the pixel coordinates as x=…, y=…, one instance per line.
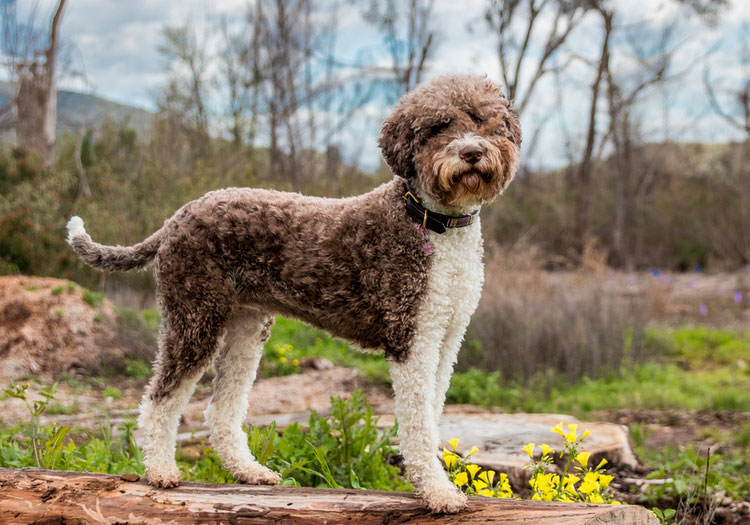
x=596, y=498
x=529, y=449
x=283, y=359
x=479, y=484
x=473, y=469
x=604, y=480
x=473, y=450
x=486, y=493
x=571, y=436
x=282, y=351
x=571, y=479
x=587, y=487
x=583, y=458
x=461, y=479
x=546, y=449
x=585, y=434
x=449, y=458
x=558, y=429
x=601, y=464
x=545, y=482
x=591, y=476
x=565, y=498
x=295, y=362
x=454, y=443
x=487, y=475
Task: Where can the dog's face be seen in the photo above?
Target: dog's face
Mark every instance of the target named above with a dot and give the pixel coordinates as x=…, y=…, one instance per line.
x=458, y=136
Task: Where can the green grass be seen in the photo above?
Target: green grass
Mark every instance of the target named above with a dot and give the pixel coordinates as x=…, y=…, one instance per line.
x=694, y=368
x=57, y=290
x=311, y=342
x=94, y=299
x=111, y=391
x=65, y=410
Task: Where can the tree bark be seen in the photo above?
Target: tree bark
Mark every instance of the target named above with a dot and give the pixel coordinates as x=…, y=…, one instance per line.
x=45, y=496
x=586, y=166
x=36, y=98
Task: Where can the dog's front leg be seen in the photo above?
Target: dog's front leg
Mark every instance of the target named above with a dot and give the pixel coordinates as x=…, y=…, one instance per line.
x=414, y=383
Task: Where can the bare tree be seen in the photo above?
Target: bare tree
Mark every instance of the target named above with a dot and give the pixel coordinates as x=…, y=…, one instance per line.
x=184, y=97
x=506, y=17
x=35, y=95
x=584, y=170
x=232, y=59
x=632, y=180
x=736, y=109
x=409, y=37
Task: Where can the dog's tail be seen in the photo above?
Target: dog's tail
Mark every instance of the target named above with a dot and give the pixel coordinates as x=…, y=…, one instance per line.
x=111, y=258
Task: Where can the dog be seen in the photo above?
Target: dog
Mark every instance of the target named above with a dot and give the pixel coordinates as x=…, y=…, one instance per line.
x=397, y=270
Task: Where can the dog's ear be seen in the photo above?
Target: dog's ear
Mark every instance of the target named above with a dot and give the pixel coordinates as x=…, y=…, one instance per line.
x=514, y=128
x=397, y=143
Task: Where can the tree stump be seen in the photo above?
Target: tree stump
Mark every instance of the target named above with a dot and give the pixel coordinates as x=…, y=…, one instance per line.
x=45, y=496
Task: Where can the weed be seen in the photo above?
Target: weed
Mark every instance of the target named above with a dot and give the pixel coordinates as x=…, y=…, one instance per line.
x=57, y=290
x=32, y=288
x=55, y=409
x=94, y=299
x=111, y=391
x=137, y=369
x=71, y=286
x=664, y=515
x=35, y=409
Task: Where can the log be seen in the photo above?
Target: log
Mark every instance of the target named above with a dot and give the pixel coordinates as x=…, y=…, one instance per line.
x=45, y=496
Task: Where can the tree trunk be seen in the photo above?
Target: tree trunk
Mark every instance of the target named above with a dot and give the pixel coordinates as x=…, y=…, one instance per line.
x=585, y=168
x=45, y=496
x=36, y=98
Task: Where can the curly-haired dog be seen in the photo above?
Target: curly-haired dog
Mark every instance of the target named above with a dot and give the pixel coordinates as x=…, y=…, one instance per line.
x=398, y=270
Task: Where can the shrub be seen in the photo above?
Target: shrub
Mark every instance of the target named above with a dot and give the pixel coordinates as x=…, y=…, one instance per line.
x=529, y=322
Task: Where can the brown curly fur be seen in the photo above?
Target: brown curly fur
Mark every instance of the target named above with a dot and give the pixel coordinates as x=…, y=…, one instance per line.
x=355, y=267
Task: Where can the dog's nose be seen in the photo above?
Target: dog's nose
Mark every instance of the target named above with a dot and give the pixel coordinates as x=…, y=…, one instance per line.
x=471, y=154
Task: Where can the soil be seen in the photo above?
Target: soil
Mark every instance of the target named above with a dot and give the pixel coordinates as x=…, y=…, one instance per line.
x=47, y=328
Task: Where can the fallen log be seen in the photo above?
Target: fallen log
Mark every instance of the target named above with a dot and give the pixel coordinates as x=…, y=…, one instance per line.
x=46, y=496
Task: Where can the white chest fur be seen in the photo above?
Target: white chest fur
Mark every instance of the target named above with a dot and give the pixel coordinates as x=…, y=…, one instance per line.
x=457, y=271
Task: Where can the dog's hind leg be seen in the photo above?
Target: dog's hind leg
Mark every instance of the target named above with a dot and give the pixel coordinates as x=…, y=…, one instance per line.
x=236, y=366
x=184, y=355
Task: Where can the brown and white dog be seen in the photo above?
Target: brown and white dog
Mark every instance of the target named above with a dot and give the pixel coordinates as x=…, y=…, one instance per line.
x=397, y=270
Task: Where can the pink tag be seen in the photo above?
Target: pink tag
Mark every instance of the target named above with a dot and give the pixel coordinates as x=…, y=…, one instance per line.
x=422, y=229
x=428, y=248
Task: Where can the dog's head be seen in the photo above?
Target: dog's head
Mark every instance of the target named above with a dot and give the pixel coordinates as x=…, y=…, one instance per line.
x=457, y=136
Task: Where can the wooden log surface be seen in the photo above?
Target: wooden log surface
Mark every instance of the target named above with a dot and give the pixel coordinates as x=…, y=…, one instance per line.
x=49, y=497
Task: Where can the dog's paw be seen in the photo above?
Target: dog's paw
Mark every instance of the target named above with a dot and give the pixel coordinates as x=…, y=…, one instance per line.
x=445, y=499
x=258, y=476
x=164, y=480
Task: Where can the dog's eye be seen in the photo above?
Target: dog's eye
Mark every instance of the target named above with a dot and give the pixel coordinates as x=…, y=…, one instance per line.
x=475, y=118
x=439, y=128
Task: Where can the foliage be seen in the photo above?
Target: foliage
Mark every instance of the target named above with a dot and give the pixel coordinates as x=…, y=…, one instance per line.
x=54, y=447
x=644, y=386
x=344, y=449
x=689, y=482
x=311, y=342
x=279, y=360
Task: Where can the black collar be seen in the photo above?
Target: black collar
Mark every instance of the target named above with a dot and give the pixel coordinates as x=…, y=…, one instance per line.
x=433, y=220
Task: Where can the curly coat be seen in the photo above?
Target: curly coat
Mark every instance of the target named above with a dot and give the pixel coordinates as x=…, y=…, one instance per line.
x=359, y=267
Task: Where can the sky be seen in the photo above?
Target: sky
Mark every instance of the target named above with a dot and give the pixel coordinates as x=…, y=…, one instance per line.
x=115, y=42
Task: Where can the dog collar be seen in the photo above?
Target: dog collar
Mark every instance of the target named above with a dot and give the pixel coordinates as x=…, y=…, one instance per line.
x=433, y=220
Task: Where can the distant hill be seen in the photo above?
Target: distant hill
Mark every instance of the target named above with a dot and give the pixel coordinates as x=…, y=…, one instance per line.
x=78, y=109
